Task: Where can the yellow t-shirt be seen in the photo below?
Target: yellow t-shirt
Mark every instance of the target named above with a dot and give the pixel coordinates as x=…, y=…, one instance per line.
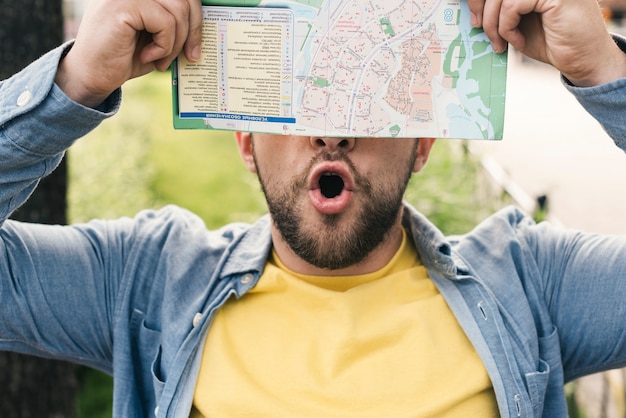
x=383, y=344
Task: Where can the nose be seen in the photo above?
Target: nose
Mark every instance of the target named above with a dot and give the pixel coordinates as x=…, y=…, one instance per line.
x=332, y=144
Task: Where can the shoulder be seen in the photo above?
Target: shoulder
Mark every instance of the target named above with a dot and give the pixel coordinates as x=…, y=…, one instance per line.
x=179, y=223
x=507, y=244
x=503, y=226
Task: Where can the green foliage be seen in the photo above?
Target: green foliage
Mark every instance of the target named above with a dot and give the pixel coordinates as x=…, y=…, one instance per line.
x=95, y=397
x=452, y=190
x=206, y=176
x=573, y=408
x=137, y=160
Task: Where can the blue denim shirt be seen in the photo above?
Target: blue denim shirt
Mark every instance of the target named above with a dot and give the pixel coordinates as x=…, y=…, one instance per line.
x=135, y=297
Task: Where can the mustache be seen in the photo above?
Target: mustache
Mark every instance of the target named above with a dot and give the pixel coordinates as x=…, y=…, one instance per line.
x=300, y=180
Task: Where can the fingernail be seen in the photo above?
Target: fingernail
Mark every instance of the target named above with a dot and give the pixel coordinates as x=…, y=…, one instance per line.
x=499, y=49
x=195, y=53
x=473, y=19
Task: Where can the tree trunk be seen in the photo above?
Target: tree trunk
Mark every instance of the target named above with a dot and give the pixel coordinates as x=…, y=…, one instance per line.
x=29, y=386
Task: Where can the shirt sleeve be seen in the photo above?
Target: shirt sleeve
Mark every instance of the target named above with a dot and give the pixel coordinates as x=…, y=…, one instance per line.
x=55, y=292
x=606, y=103
x=583, y=280
x=38, y=122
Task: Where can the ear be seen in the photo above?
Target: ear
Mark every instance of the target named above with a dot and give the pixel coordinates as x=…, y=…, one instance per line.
x=423, y=151
x=244, y=142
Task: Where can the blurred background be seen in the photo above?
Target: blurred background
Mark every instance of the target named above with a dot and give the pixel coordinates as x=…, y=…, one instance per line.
x=555, y=162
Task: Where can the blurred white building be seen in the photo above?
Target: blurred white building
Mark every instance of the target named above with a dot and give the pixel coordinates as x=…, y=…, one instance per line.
x=73, y=11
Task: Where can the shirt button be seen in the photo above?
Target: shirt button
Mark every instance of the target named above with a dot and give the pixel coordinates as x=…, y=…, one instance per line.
x=247, y=279
x=196, y=319
x=156, y=411
x=24, y=98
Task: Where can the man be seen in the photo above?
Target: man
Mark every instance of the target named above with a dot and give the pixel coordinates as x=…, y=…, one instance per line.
x=342, y=302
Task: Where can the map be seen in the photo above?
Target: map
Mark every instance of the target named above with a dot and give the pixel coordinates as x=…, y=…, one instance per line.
x=357, y=68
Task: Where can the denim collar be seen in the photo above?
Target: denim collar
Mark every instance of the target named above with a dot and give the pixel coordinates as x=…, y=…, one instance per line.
x=252, y=247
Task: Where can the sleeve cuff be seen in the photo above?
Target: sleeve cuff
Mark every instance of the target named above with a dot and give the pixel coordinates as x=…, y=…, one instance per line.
x=37, y=115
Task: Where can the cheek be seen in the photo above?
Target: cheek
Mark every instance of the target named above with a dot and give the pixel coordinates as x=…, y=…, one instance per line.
x=390, y=151
x=281, y=175
x=274, y=157
x=395, y=174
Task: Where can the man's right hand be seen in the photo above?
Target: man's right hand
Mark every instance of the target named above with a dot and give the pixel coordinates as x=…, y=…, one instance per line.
x=122, y=39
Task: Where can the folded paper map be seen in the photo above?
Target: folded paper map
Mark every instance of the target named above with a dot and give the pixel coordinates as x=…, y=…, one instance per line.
x=344, y=68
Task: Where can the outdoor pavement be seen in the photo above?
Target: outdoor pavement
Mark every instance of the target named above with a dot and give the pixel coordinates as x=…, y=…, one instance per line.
x=552, y=147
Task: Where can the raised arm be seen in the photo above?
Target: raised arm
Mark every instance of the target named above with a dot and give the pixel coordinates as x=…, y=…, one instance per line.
x=59, y=286
x=69, y=91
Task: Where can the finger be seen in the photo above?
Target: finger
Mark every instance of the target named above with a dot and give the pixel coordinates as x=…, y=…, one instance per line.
x=161, y=25
x=181, y=10
x=491, y=24
x=512, y=13
x=476, y=12
x=194, y=38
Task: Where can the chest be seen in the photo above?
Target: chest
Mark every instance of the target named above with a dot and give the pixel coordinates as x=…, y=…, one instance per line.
x=387, y=348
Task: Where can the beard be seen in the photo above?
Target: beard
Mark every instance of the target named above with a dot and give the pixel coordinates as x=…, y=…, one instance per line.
x=339, y=240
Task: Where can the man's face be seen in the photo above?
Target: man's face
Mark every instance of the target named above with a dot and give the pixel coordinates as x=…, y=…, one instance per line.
x=333, y=200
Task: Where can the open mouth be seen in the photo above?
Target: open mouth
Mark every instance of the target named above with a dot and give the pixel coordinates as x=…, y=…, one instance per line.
x=331, y=185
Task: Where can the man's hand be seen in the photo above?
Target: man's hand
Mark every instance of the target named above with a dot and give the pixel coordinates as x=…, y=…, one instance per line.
x=569, y=34
x=122, y=39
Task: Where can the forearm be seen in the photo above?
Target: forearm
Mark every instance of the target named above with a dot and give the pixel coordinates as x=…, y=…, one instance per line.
x=606, y=103
x=38, y=122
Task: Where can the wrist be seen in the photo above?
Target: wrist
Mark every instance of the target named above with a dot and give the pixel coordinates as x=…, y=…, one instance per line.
x=69, y=80
x=605, y=70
